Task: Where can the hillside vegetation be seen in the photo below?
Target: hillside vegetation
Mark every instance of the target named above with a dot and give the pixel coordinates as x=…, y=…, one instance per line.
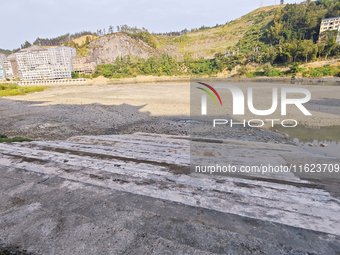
x=269, y=41
x=221, y=39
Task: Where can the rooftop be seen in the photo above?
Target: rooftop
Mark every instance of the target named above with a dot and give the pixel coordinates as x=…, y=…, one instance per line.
x=32, y=48
x=332, y=18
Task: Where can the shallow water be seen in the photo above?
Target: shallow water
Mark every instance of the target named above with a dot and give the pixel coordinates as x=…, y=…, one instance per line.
x=312, y=139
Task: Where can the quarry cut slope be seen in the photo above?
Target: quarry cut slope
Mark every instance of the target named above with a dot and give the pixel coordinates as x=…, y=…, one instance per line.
x=106, y=49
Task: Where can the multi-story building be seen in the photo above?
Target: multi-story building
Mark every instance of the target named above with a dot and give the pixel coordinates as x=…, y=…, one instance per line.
x=330, y=24
x=34, y=63
x=83, y=66
x=9, y=66
x=37, y=63
x=61, y=61
x=2, y=71
x=89, y=67
x=78, y=64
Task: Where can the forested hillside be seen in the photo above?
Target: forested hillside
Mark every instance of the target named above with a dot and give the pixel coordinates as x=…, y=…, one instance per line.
x=269, y=37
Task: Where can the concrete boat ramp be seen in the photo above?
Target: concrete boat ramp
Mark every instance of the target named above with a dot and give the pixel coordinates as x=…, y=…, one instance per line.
x=134, y=194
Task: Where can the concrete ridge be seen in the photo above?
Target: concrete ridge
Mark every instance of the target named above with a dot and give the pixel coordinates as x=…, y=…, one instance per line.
x=141, y=164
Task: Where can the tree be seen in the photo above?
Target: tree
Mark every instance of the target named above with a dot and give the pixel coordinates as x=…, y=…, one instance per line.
x=307, y=49
x=275, y=31
x=87, y=40
x=74, y=75
x=270, y=55
x=26, y=45
x=330, y=46
x=333, y=10
x=321, y=48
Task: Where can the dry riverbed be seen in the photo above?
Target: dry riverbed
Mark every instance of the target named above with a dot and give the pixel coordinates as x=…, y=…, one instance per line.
x=65, y=111
x=134, y=194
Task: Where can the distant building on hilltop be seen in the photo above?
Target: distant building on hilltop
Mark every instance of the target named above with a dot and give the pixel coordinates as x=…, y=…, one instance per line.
x=330, y=24
x=282, y=1
x=83, y=66
x=38, y=63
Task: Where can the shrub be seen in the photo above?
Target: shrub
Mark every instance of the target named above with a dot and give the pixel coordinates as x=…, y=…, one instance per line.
x=267, y=69
x=295, y=68
x=242, y=70
x=274, y=72
x=107, y=73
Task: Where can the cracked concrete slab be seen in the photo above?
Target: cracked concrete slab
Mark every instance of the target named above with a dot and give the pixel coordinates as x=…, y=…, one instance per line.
x=120, y=194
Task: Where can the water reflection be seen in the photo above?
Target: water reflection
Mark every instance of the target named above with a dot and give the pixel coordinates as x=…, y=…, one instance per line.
x=323, y=140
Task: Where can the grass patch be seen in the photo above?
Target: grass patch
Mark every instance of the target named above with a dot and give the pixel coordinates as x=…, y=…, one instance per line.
x=5, y=139
x=255, y=74
x=322, y=71
x=12, y=89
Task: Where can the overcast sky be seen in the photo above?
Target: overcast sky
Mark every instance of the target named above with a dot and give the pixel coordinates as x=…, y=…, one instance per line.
x=22, y=20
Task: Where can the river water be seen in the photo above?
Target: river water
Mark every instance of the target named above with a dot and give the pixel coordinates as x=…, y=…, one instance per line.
x=323, y=140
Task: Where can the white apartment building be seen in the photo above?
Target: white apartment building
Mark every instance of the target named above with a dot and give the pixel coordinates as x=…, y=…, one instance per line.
x=61, y=61
x=330, y=24
x=38, y=63
x=2, y=72
x=3, y=58
x=7, y=63
x=34, y=63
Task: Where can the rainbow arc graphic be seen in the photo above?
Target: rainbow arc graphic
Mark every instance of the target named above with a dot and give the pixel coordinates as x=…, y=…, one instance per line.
x=209, y=93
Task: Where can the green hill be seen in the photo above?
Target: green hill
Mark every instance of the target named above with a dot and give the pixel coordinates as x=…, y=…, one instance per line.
x=219, y=39
x=279, y=35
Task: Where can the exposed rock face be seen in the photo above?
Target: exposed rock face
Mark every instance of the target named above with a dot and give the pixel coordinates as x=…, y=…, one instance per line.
x=107, y=48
